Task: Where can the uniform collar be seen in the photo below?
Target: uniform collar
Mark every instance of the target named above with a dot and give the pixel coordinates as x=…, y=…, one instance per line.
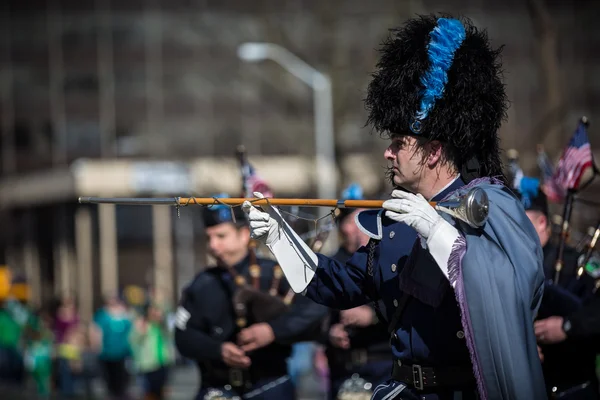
x=456, y=183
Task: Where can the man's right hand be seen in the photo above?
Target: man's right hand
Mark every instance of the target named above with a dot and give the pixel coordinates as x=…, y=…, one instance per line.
x=234, y=356
x=339, y=337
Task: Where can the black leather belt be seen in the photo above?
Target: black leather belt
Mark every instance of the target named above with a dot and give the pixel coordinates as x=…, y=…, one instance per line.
x=356, y=358
x=421, y=377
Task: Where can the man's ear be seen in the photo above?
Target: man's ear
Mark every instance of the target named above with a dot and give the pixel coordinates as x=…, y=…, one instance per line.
x=543, y=220
x=434, y=153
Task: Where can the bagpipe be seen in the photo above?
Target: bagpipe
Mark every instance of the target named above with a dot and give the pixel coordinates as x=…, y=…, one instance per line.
x=574, y=172
x=251, y=303
x=589, y=261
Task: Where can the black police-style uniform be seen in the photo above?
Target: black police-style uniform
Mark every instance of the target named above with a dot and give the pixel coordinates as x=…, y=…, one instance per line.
x=206, y=319
x=569, y=367
x=582, y=287
x=584, y=324
x=368, y=355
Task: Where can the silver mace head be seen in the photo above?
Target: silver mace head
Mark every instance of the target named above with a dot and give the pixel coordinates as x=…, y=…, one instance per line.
x=472, y=208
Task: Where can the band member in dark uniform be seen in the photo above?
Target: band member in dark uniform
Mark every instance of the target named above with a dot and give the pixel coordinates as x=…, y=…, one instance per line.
x=536, y=206
x=238, y=319
x=357, y=344
x=569, y=367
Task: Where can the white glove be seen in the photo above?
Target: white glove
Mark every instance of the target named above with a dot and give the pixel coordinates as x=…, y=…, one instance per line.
x=416, y=212
x=298, y=262
x=262, y=226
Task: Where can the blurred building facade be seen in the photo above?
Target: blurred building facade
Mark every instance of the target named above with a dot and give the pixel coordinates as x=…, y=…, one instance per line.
x=139, y=98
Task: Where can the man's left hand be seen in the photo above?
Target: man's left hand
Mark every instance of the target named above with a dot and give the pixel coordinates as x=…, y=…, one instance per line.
x=414, y=210
x=549, y=330
x=359, y=316
x=256, y=336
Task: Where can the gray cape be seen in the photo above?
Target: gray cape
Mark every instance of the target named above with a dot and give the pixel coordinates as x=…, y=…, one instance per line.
x=497, y=272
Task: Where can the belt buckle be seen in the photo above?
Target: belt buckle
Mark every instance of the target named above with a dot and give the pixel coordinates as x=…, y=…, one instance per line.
x=417, y=373
x=236, y=377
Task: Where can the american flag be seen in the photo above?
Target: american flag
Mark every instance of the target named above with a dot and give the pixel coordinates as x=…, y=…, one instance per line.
x=254, y=182
x=554, y=192
x=575, y=160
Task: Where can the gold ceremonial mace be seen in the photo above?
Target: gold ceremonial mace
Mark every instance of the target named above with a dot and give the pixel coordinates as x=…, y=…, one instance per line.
x=471, y=208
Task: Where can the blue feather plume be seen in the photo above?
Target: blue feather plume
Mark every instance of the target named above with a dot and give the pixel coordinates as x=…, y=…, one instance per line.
x=529, y=189
x=446, y=38
x=353, y=192
x=223, y=209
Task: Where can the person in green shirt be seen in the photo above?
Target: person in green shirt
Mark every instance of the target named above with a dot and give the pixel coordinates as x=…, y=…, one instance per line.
x=153, y=350
x=38, y=343
x=15, y=316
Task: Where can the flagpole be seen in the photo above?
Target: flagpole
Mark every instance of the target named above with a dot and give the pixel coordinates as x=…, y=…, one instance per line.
x=586, y=122
x=241, y=155
x=568, y=207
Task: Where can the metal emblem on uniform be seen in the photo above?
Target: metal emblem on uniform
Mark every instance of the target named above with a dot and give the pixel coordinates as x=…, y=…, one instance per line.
x=241, y=322
x=217, y=330
x=355, y=388
x=240, y=280
x=221, y=394
x=254, y=271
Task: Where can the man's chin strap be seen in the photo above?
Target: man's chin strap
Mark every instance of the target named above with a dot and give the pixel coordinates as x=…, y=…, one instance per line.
x=298, y=262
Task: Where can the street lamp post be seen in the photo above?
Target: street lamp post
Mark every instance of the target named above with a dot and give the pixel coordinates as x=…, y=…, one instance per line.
x=323, y=109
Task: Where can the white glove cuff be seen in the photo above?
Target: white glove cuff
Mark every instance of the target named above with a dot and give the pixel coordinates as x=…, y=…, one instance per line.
x=297, y=261
x=440, y=243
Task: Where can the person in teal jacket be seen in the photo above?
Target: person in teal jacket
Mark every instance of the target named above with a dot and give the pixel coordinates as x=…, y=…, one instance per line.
x=113, y=325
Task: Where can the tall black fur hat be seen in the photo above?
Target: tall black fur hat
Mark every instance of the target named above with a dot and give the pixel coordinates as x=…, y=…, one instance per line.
x=220, y=214
x=440, y=79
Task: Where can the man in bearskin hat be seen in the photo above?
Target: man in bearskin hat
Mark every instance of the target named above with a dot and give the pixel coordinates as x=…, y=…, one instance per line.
x=357, y=343
x=459, y=300
x=238, y=354
x=578, y=380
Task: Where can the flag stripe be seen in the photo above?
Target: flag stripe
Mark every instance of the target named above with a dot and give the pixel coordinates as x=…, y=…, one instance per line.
x=254, y=183
x=575, y=160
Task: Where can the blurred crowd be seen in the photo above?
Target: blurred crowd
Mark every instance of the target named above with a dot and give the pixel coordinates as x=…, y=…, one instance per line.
x=128, y=343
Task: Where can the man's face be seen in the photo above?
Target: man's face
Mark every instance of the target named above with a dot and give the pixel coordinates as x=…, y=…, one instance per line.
x=540, y=223
x=227, y=243
x=406, y=159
